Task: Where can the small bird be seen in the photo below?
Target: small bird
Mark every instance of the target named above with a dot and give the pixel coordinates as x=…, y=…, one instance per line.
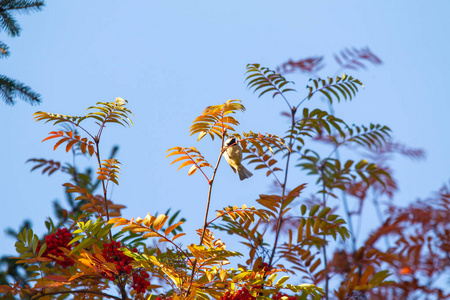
x=233, y=155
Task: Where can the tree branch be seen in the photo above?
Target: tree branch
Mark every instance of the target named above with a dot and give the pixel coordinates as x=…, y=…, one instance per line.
x=77, y=292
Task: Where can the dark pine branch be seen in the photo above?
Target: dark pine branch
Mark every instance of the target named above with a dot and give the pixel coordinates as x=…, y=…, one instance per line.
x=23, y=6
x=8, y=23
x=10, y=89
x=9, y=7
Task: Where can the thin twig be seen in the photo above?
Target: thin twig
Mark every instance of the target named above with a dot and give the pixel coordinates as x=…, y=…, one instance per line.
x=97, y=141
x=77, y=292
x=205, y=222
x=283, y=186
x=324, y=238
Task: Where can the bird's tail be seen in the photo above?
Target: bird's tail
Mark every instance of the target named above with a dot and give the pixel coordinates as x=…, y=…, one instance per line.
x=244, y=173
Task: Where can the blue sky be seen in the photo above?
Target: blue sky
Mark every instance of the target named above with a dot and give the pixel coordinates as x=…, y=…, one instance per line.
x=172, y=59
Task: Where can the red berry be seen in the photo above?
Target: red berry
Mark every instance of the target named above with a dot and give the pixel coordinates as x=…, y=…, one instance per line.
x=113, y=254
x=57, y=240
x=280, y=295
x=242, y=294
x=140, y=283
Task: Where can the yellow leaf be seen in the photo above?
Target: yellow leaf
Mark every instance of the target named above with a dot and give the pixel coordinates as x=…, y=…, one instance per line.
x=159, y=222
x=316, y=226
x=308, y=229
x=149, y=219
x=192, y=170
x=300, y=233
x=151, y=234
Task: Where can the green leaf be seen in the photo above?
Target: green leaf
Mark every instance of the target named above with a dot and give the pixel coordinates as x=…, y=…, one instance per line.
x=323, y=212
x=83, y=245
x=313, y=210
x=29, y=236
x=264, y=80
x=76, y=239
x=35, y=243
x=104, y=231
x=379, y=277
x=281, y=281
x=42, y=250
x=303, y=209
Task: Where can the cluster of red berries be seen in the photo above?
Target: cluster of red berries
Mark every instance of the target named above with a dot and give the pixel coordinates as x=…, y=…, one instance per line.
x=242, y=294
x=280, y=295
x=140, y=282
x=112, y=253
x=265, y=267
x=54, y=241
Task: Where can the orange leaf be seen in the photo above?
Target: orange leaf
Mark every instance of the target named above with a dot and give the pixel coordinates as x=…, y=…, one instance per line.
x=186, y=163
x=91, y=150
x=83, y=148
x=171, y=228
x=366, y=274
x=59, y=143
x=177, y=236
x=51, y=137
x=70, y=145
x=180, y=158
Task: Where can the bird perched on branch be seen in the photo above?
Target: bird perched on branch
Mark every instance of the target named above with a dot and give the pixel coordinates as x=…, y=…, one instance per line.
x=233, y=155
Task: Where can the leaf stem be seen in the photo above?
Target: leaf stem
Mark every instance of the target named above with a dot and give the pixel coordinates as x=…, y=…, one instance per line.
x=97, y=141
x=78, y=125
x=380, y=215
x=196, y=164
x=344, y=196
x=283, y=186
x=205, y=222
x=324, y=249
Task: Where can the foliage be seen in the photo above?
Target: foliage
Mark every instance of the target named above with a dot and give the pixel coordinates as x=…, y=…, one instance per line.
x=266, y=80
x=85, y=258
x=351, y=59
x=359, y=272
x=11, y=88
x=94, y=249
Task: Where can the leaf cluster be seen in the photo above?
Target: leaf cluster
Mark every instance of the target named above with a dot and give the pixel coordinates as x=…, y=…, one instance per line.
x=216, y=120
x=190, y=157
x=266, y=81
x=94, y=203
x=345, y=86
x=303, y=232
x=71, y=139
x=150, y=226
x=355, y=59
